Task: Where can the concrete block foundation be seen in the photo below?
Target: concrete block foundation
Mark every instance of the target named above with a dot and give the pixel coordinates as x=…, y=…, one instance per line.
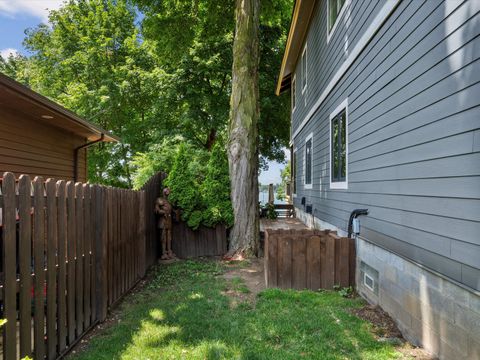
x=430, y=310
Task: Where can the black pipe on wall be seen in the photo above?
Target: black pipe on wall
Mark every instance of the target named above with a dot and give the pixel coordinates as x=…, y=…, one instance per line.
x=353, y=215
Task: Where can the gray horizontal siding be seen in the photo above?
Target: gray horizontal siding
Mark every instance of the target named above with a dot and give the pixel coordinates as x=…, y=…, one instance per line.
x=414, y=131
x=330, y=57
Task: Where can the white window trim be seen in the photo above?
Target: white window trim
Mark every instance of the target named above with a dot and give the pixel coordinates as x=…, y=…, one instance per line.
x=305, y=185
x=339, y=184
x=294, y=191
x=304, y=53
x=294, y=93
x=339, y=16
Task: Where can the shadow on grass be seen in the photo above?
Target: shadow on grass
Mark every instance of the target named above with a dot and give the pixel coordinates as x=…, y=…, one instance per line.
x=185, y=314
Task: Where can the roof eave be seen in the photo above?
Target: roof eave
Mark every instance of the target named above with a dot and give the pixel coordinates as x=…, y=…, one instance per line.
x=302, y=13
x=54, y=107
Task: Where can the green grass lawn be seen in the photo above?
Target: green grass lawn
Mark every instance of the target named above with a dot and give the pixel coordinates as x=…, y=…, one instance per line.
x=186, y=311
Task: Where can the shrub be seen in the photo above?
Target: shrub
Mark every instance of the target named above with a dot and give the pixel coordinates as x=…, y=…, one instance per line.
x=199, y=181
x=216, y=189
x=184, y=181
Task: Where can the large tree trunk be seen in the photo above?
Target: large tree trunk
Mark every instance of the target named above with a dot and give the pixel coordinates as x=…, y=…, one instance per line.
x=243, y=132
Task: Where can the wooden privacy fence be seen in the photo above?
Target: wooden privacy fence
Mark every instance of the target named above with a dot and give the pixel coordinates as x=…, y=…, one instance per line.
x=308, y=259
x=68, y=252
x=205, y=241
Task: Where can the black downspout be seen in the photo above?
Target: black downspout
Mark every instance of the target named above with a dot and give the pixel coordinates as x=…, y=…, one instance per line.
x=75, y=155
x=353, y=215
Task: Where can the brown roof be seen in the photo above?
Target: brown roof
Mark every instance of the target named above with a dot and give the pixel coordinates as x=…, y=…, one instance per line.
x=20, y=98
x=302, y=13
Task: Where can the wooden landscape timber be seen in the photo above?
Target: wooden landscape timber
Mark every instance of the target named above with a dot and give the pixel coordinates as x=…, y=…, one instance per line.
x=308, y=259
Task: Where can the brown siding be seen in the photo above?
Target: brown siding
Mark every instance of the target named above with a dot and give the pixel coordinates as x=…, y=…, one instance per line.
x=28, y=146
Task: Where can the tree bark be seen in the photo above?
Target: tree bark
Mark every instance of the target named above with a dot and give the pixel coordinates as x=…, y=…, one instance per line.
x=243, y=130
x=212, y=137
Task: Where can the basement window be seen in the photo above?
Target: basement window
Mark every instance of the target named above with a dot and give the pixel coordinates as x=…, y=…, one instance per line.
x=339, y=147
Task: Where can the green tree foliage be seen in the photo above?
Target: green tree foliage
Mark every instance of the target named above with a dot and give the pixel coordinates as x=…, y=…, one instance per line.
x=158, y=157
x=16, y=66
x=152, y=82
x=216, y=189
x=91, y=59
x=285, y=176
x=199, y=61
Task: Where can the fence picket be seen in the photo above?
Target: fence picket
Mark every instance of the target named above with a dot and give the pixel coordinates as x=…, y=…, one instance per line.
x=9, y=265
x=39, y=264
x=71, y=241
x=128, y=247
x=142, y=238
x=62, y=241
x=51, y=269
x=25, y=264
x=117, y=245
x=101, y=254
x=79, y=256
x=86, y=251
x=93, y=301
x=111, y=236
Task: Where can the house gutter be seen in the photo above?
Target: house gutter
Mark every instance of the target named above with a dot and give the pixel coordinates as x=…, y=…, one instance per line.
x=75, y=154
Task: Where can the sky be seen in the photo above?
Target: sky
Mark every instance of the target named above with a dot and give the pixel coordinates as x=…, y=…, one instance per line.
x=18, y=15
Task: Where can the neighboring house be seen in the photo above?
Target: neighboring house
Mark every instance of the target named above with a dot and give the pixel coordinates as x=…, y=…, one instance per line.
x=40, y=138
x=386, y=116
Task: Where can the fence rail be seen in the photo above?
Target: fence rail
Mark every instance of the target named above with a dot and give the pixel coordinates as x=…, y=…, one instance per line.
x=308, y=259
x=68, y=252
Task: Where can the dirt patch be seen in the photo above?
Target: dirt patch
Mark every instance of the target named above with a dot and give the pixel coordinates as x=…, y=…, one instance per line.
x=383, y=325
x=245, y=280
x=386, y=330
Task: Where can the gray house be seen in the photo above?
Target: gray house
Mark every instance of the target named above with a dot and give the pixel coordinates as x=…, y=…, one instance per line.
x=386, y=117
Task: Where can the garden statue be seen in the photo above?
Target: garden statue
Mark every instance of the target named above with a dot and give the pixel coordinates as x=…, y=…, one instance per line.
x=164, y=209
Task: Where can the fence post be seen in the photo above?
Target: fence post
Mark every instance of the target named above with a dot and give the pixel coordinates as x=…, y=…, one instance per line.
x=100, y=253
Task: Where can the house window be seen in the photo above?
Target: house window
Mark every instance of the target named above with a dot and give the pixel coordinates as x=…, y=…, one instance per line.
x=339, y=147
x=308, y=162
x=334, y=9
x=294, y=93
x=304, y=69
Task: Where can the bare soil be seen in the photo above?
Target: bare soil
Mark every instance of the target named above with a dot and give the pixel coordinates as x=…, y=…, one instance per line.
x=251, y=272
x=385, y=329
